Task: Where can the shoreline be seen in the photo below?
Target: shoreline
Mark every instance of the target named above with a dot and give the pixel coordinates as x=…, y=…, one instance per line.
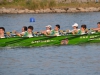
x=4, y=10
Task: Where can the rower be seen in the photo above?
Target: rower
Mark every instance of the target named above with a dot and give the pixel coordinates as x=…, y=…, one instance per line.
x=75, y=28
x=48, y=30
x=24, y=30
x=29, y=32
x=2, y=31
x=83, y=30
x=55, y=32
x=98, y=27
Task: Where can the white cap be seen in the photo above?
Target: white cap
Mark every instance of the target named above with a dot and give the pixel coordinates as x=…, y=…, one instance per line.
x=49, y=26
x=75, y=24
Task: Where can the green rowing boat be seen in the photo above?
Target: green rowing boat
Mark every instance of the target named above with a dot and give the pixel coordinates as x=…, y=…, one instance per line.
x=49, y=40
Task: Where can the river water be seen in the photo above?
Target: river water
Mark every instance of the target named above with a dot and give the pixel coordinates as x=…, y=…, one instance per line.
x=83, y=59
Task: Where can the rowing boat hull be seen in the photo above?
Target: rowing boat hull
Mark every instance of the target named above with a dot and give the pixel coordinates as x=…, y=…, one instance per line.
x=49, y=40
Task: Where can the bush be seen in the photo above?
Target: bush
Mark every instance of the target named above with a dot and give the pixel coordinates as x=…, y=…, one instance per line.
x=3, y=2
x=38, y=4
x=43, y=4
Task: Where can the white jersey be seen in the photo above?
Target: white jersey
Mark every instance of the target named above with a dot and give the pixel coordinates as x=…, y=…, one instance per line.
x=23, y=32
x=48, y=31
x=2, y=37
x=30, y=35
x=74, y=30
x=57, y=33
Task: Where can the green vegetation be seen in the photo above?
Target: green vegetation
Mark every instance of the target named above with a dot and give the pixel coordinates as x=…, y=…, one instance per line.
x=43, y=4
x=30, y=4
x=40, y=4
x=75, y=4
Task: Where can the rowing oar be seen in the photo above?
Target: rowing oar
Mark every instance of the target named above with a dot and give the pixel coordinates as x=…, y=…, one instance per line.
x=9, y=34
x=12, y=33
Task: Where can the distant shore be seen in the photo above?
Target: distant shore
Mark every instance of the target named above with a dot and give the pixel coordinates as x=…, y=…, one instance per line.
x=48, y=6
x=4, y=10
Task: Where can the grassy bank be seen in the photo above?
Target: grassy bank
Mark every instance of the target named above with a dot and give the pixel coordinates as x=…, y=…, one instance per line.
x=43, y=4
x=30, y=4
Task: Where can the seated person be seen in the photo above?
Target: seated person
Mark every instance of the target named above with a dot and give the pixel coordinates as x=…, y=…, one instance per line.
x=24, y=29
x=29, y=32
x=47, y=31
x=55, y=32
x=75, y=29
x=2, y=31
x=83, y=30
x=98, y=27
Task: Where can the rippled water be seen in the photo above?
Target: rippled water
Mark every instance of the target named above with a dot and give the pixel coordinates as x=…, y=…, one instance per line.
x=81, y=59
x=66, y=20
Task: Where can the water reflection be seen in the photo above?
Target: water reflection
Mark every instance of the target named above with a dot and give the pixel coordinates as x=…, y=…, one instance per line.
x=76, y=59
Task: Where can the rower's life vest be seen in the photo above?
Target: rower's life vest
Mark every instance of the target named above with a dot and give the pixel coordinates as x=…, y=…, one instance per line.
x=28, y=35
x=81, y=32
x=55, y=33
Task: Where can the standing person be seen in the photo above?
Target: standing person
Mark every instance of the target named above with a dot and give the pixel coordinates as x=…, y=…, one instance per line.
x=55, y=32
x=29, y=32
x=98, y=27
x=2, y=31
x=48, y=30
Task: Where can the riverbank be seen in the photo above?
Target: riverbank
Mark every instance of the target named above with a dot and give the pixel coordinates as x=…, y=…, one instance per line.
x=4, y=10
x=48, y=6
